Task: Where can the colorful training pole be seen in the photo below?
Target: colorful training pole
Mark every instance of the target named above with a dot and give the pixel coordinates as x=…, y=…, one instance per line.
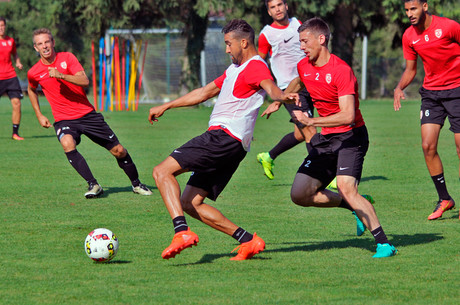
x=101, y=72
x=140, y=76
x=123, y=72
x=128, y=52
x=117, y=85
x=93, y=64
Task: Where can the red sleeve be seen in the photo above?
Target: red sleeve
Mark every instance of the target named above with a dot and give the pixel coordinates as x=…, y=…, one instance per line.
x=454, y=30
x=32, y=82
x=346, y=83
x=255, y=72
x=408, y=52
x=73, y=64
x=220, y=80
x=13, y=49
x=264, y=46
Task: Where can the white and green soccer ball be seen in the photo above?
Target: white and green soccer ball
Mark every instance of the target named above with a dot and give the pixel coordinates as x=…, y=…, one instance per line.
x=101, y=245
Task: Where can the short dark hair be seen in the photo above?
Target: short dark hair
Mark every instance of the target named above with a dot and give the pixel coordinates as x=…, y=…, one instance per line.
x=268, y=1
x=241, y=29
x=317, y=26
x=419, y=1
x=42, y=31
x=3, y=19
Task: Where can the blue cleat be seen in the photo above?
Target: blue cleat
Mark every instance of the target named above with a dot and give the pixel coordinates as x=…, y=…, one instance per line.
x=360, y=227
x=385, y=250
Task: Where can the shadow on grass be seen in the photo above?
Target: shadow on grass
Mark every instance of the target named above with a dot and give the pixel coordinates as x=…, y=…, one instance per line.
x=121, y=262
x=402, y=240
x=113, y=190
x=370, y=178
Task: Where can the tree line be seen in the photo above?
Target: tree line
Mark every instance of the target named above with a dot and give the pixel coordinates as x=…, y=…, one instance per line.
x=76, y=23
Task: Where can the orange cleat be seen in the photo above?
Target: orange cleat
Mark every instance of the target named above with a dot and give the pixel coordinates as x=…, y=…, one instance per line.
x=17, y=137
x=441, y=207
x=181, y=241
x=249, y=249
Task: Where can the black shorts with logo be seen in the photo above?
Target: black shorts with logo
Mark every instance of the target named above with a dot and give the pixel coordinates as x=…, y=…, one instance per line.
x=336, y=154
x=306, y=105
x=439, y=104
x=11, y=87
x=213, y=157
x=91, y=125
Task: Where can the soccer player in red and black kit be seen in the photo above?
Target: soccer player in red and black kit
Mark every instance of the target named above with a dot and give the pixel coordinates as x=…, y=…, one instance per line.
x=215, y=155
x=62, y=79
x=437, y=41
x=9, y=82
x=340, y=148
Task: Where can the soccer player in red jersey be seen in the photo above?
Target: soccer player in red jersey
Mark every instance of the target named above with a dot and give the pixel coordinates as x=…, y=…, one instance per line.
x=214, y=156
x=9, y=82
x=62, y=80
x=340, y=148
x=280, y=42
x=437, y=41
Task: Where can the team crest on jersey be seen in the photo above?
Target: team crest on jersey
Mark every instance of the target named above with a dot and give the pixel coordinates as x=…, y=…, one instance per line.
x=328, y=78
x=438, y=33
x=63, y=65
x=10, y=43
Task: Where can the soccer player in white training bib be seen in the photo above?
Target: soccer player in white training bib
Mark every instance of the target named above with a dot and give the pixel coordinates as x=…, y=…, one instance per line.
x=214, y=156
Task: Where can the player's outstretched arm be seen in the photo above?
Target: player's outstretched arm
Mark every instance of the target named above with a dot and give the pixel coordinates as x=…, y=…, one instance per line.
x=33, y=96
x=277, y=95
x=192, y=98
x=406, y=79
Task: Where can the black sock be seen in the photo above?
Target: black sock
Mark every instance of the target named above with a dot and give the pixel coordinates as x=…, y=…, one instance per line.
x=286, y=143
x=80, y=165
x=16, y=129
x=128, y=166
x=242, y=235
x=345, y=205
x=380, y=237
x=180, y=224
x=440, y=185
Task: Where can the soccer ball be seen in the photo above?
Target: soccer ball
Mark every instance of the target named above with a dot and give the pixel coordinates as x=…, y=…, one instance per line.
x=101, y=245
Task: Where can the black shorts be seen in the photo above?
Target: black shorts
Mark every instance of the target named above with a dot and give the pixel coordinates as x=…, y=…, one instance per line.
x=439, y=104
x=336, y=154
x=11, y=87
x=213, y=157
x=91, y=125
x=306, y=105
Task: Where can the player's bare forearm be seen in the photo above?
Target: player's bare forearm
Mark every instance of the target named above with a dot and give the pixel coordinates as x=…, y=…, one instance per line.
x=33, y=97
x=406, y=78
x=277, y=94
x=192, y=98
x=79, y=78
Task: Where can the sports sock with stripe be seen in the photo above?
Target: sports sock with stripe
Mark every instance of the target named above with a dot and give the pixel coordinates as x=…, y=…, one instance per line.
x=180, y=224
x=379, y=235
x=242, y=236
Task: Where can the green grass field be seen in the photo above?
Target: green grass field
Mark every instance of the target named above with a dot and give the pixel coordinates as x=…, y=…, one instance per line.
x=312, y=255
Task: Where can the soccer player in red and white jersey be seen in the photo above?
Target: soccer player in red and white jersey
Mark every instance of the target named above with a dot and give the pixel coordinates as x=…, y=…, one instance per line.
x=437, y=41
x=214, y=156
x=9, y=82
x=280, y=42
x=340, y=148
x=62, y=80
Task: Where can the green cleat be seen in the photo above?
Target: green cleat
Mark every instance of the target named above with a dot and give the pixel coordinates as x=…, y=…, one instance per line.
x=385, y=250
x=360, y=227
x=333, y=185
x=267, y=163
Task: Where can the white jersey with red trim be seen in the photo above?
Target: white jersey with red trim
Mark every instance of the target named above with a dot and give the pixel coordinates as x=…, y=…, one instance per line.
x=286, y=52
x=238, y=115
